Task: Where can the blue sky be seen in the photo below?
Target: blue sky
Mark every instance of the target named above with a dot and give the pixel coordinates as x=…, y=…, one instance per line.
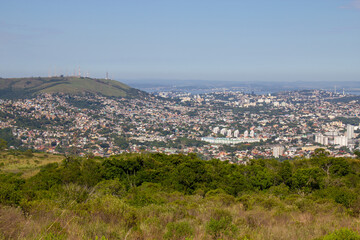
x=236, y=40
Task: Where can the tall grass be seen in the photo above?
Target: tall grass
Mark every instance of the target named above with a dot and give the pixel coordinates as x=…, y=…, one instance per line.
x=177, y=217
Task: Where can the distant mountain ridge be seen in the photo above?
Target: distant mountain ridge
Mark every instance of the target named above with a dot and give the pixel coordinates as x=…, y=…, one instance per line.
x=26, y=87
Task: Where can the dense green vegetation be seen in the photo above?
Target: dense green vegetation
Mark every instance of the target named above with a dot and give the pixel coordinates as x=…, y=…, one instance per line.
x=352, y=121
x=8, y=138
x=11, y=88
x=158, y=196
x=82, y=103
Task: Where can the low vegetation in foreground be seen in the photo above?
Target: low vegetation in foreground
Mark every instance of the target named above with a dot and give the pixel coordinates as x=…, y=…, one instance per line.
x=156, y=196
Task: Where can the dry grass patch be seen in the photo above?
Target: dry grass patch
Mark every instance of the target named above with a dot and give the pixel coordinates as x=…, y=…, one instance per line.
x=28, y=166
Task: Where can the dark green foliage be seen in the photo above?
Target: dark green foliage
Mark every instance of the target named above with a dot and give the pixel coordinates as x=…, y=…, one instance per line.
x=145, y=179
x=122, y=142
x=49, y=176
x=190, y=176
x=307, y=179
x=104, y=145
x=332, y=166
x=339, y=167
x=345, y=197
x=10, y=189
x=345, y=120
x=259, y=176
x=80, y=103
x=285, y=173
x=7, y=135
x=90, y=172
x=33, y=123
x=3, y=144
x=342, y=195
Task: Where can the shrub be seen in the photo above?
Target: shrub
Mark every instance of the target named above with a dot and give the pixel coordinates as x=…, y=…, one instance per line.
x=304, y=204
x=102, y=238
x=345, y=197
x=111, y=187
x=111, y=209
x=280, y=191
x=54, y=232
x=9, y=194
x=28, y=153
x=247, y=201
x=343, y=234
x=146, y=194
x=270, y=202
x=179, y=230
x=307, y=179
x=220, y=224
x=220, y=195
x=74, y=193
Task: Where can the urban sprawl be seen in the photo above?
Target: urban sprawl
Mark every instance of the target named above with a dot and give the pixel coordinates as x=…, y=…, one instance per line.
x=228, y=125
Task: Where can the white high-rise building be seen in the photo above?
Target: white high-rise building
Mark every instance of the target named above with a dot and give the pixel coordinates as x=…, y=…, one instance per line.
x=325, y=141
x=350, y=131
x=278, y=151
x=216, y=130
x=223, y=131
x=236, y=133
x=319, y=138
x=228, y=133
x=252, y=133
x=341, y=140
x=246, y=133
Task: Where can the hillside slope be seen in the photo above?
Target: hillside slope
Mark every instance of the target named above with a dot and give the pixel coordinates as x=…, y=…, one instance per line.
x=24, y=87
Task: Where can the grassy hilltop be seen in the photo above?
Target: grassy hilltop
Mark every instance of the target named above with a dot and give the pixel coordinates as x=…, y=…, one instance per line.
x=24, y=87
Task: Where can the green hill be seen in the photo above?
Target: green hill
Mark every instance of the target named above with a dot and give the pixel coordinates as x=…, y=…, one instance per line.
x=24, y=87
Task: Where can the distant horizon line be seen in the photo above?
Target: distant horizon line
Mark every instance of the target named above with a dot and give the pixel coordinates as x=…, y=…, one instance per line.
x=188, y=79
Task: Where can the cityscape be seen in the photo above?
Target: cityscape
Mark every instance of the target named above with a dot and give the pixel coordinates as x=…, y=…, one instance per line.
x=227, y=125
x=180, y=120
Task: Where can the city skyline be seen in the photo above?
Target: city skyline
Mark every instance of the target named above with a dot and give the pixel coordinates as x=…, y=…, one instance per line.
x=204, y=40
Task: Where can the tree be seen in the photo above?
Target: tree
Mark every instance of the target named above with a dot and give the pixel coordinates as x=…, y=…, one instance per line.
x=307, y=179
x=357, y=153
x=104, y=145
x=285, y=172
x=320, y=152
x=3, y=144
x=28, y=153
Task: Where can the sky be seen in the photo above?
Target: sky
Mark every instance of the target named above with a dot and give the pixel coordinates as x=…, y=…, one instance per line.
x=232, y=40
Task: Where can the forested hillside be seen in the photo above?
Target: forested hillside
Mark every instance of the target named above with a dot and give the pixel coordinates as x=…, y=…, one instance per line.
x=156, y=196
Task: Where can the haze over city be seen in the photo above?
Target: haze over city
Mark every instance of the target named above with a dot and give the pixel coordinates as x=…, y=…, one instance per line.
x=309, y=40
